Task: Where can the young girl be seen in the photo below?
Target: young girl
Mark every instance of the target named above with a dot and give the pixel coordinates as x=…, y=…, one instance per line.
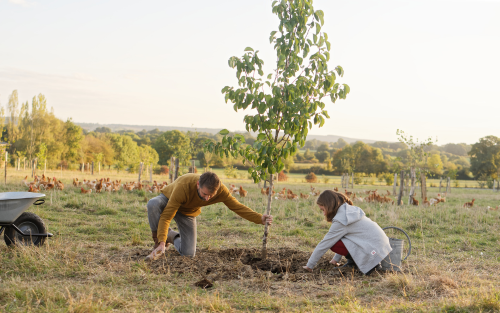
x=352, y=234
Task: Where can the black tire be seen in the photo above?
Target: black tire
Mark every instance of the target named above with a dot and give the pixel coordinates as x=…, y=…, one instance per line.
x=28, y=223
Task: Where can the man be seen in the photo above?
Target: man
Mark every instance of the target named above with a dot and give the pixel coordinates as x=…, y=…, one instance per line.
x=182, y=201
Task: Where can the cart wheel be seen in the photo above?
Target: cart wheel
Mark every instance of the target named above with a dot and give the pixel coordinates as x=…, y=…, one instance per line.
x=28, y=223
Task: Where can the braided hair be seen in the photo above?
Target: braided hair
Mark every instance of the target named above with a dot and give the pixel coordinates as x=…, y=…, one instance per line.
x=332, y=201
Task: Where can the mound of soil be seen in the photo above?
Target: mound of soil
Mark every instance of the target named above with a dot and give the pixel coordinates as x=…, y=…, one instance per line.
x=240, y=263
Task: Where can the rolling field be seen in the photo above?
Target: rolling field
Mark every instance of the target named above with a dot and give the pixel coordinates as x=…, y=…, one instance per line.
x=95, y=261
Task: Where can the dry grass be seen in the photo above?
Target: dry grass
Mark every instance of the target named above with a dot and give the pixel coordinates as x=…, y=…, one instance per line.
x=92, y=265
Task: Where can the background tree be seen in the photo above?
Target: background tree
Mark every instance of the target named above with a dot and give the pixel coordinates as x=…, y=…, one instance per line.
x=485, y=157
x=287, y=101
x=172, y=143
x=435, y=165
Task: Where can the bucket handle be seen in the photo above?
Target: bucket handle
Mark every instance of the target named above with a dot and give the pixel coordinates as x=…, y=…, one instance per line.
x=408, y=237
x=39, y=201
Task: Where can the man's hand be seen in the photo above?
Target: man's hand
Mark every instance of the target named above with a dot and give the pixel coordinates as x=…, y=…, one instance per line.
x=269, y=219
x=158, y=252
x=307, y=268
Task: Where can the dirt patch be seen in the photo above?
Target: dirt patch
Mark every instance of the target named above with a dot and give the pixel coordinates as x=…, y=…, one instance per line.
x=229, y=264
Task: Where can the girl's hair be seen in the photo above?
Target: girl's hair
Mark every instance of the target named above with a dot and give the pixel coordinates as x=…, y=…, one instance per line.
x=332, y=201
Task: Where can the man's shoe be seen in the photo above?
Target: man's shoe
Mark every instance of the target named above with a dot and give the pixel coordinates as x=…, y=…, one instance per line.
x=171, y=236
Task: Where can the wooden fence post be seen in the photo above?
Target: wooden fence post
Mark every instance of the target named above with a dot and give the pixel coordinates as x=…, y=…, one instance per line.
x=92, y=169
x=83, y=165
x=176, y=168
x=395, y=183
x=342, y=180
x=192, y=166
x=440, y=183
x=24, y=164
x=448, y=187
x=140, y=172
x=171, y=170
x=401, y=186
x=424, y=186
x=412, y=190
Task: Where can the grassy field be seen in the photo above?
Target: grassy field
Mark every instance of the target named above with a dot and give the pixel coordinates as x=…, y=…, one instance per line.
x=95, y=261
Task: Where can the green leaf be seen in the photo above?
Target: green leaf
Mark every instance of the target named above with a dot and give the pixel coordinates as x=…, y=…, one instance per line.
x=327, y=45
x=248, y=49
x=346, y=89
x=261, y=72
x=318, y=28
x=269, y=76
x=321, y=16
x=340, y=70
x=224, y=132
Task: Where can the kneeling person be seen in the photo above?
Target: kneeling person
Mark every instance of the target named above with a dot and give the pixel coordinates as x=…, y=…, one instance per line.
x=182, y=201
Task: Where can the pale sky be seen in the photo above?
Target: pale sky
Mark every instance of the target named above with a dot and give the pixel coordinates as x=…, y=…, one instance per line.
x=430, y=68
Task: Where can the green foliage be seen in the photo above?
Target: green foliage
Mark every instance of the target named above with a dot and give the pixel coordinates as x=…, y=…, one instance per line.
x=416, y=153
x=485, y=157
x=126, y=150
x=389, y=179
x=322, y=156
x=287, y=101
x=435, y=165
x=231, y=172
x=359, y=157
x=172, y=143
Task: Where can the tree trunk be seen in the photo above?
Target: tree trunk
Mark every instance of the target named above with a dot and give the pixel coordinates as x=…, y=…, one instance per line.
x=268, y=211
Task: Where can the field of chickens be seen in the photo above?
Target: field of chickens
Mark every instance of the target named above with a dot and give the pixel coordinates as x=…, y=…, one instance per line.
x=96, y=260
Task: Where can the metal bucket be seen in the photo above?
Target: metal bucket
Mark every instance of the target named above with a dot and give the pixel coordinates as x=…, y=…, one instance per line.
x=13, y=204
x=392, y=261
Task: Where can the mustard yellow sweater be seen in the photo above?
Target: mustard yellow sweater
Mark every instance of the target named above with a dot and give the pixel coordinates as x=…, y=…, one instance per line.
x=183, y=197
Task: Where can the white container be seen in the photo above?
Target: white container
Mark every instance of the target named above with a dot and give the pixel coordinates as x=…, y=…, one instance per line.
x=13, y=204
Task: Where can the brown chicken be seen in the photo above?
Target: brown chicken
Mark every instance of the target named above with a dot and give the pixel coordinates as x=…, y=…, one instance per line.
x=348, y=193
x=33, y=189
x=469, y=204
x=86, y=191
x=60, y=185
x=243, y=192
x=304, y=196
x=414, y=201
x=426, y=203
x=336, y=189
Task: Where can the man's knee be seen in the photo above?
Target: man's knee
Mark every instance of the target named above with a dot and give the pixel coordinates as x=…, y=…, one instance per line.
x=153, y=206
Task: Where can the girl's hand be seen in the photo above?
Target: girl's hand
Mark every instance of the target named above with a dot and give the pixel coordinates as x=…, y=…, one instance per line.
x=334, y=262
x=307, y=268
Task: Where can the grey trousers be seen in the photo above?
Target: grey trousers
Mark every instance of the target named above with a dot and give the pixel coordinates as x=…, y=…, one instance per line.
x=186, y=243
